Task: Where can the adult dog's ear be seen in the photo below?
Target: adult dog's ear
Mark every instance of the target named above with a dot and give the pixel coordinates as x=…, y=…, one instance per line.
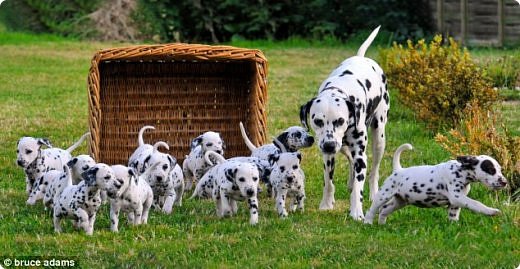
x=90, y=176
x=44, y=141
x=352, y=111
x=468, y=162
x=195, y=142
x=230, y=174
x=304, y=113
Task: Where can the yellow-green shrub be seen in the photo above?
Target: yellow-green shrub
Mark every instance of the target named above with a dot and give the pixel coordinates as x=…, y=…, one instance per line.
x=479, y=132
x=436, y=81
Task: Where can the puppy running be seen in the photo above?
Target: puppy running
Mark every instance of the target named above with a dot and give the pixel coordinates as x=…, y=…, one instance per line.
x=438, y=185
x=194, y=165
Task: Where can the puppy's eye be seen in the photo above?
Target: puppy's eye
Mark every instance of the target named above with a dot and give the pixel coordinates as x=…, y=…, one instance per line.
x=165, y=167
x=107, y=177
x=295, y=167
x=282, y=168
x=28, y=151
x=298, y=135
x=318, y=122
x=209, y=144
x=85, y=168
x=338, y=122
x=241, y=179
x=255, y=179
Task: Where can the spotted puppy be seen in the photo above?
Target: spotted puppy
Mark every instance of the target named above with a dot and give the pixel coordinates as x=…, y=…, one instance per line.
x=81, y=202
x=194, y=165
x=291, y=140
x=77, y=165
x=352, y=99
x=288, y=181
x=445, y=184
x=229, y=182
x=136, y=197
x=147, y=156
x=36, y=161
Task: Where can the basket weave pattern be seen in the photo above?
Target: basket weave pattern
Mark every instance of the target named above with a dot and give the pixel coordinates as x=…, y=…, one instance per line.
x=181, y=89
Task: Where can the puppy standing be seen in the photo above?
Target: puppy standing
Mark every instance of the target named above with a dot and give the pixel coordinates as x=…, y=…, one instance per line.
x=159, y=167
x=288, y=181
x=352, y=99
x=36, y=161
x=437, y=185
x=229, y=182
x=81, y=202
x=194, y=165
x=136, y=197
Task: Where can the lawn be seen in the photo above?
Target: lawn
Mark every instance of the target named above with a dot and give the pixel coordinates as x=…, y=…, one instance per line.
x=43, y=94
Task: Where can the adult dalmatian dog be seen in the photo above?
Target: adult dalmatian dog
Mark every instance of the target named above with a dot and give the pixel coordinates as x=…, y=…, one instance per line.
x=352, y=99
x=36, y=160
x=445, y=184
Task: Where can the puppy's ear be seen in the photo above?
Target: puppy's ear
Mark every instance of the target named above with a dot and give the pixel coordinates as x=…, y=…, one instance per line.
x=145, y=164
x=133, y=174
x=195, y=142
x=172, y=160
x=230, y=174
x=273, y=158
x=468, y=162
x=90, y=176
x=304, y=113
x=352, y=111
x=72, y=162
x=282, y=138
x=44, y=141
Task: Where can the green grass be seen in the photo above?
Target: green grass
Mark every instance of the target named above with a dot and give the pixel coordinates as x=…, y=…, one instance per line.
x=43, y=93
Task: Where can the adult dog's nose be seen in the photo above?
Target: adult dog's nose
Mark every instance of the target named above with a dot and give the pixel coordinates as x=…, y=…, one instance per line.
x=250, y=192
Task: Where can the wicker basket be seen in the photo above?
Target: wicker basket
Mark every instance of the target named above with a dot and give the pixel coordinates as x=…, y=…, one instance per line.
x=181, y=89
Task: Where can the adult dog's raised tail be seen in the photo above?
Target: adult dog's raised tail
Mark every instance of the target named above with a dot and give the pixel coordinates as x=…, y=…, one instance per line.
x=366, y=44
x=248, y=142
x=396, y=164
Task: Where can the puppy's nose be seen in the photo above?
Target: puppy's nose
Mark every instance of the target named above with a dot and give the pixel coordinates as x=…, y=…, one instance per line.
x=310, y=140
x=502, y=181
x=290, y=179
x=20, y=163
x=250, y=192
x=159, y=178
x=329, y=147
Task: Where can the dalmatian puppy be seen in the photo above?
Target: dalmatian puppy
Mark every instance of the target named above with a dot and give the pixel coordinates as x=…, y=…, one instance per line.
x=264, y=167
x=292, y=139
x=229, y=182
x=353, y=98
x=81, y=202
x=136, y=197
x=445, y=184
x=159, y=167
x=77, y=165
x=57, y=186
x=194, y=165
x=36, y=161
x=288, y=181
x=168, y=193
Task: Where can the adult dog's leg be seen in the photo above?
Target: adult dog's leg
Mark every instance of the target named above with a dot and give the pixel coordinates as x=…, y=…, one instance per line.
x=327, y=202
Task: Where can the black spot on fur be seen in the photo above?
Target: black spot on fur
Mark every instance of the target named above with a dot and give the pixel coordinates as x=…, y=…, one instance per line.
x=488, y=167
x=346, y=72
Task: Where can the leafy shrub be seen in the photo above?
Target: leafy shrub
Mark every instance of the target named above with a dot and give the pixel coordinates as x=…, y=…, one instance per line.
x=436, y=81
x=479, y=132
x=504, y=71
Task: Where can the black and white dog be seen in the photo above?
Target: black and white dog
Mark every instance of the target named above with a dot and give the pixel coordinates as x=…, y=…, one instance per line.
x=444, y=184
x=352, y=99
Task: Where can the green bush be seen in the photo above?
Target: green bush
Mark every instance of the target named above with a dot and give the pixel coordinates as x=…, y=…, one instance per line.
x=437, y=82
x=504, y=71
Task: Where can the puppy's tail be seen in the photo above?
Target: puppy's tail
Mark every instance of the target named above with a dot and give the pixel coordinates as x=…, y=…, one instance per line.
x=396, y=164
x=76, y=145
x=220, y=158
x=140, y=137
x=160, y=144
x=248, y=142
x=366, y=44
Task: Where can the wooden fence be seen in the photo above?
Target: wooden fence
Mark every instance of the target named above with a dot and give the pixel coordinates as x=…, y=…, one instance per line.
x=478, y=22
